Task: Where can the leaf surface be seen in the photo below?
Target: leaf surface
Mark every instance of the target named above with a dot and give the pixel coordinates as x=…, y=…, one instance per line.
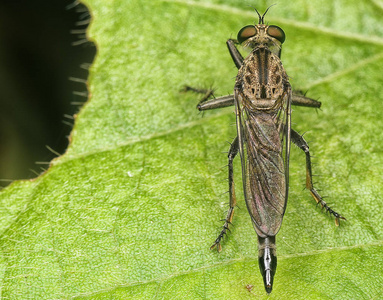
x=129, y=212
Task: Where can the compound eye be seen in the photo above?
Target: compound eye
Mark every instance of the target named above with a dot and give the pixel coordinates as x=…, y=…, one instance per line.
x=277, y=33
x=246, y=32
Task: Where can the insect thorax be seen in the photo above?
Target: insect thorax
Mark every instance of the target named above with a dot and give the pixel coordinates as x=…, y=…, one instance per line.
x=262, y=79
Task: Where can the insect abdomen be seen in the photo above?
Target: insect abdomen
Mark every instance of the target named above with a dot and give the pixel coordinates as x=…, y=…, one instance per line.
x=267, y=260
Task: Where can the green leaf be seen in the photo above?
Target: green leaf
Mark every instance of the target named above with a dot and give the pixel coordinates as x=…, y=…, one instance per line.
x=129, y=212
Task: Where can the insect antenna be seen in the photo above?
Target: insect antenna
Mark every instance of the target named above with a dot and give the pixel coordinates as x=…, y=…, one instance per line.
x=261, y=18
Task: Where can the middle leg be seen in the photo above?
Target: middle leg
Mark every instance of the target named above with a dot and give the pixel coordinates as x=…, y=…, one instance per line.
x=205, y=103
x=299, y=99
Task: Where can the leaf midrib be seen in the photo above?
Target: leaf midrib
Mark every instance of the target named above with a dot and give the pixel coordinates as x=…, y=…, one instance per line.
x=138, y=139
x=227, y=8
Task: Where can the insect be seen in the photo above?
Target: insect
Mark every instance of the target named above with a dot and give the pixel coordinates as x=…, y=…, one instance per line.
x=262, y=99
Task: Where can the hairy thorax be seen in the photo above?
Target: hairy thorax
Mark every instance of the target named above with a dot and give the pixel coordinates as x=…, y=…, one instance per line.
x=261, y=79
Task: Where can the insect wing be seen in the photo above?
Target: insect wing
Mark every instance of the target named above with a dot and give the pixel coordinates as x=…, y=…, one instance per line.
x=264, y=145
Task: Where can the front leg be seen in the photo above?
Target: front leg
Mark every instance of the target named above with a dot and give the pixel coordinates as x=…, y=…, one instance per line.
x=298, y=140
x=224, y=101
x=235, y=55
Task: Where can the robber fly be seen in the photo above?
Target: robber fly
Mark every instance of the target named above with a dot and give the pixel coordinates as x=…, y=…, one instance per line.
x=262, y=99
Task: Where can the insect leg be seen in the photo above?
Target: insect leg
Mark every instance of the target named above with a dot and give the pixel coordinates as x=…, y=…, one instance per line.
x=233, y=201
x=206, y=104
x=298, y=140
x=299, y=99
x=219, y=102
x=235, y=55
x=223, y=101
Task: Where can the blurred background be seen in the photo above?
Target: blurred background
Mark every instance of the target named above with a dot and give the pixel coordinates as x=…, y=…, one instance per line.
x=44, y=61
